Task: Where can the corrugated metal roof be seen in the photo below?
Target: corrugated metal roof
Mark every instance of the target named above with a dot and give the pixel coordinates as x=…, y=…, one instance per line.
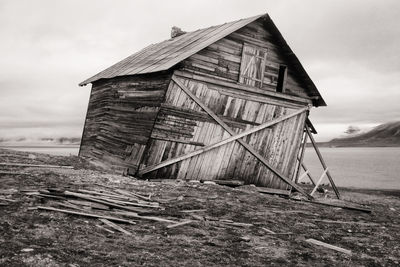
x=164, y=55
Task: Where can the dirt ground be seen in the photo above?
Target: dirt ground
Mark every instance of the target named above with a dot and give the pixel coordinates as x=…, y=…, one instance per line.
x=46, y=238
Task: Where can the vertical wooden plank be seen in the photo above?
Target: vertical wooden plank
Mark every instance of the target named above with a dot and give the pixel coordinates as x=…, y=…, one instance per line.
x=202, y=160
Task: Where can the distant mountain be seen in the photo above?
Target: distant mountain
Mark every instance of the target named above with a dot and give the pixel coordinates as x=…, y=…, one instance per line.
x=387, y=134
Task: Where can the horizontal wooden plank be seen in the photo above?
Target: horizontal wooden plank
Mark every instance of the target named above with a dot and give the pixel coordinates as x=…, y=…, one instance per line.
x=242, y=87
x=274, y=191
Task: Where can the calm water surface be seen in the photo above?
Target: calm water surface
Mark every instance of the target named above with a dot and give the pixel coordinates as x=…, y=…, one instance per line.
x=52, y=150
x=359, y=167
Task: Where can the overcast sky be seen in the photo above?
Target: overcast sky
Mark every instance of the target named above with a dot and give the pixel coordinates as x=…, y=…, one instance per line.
x=351, y=50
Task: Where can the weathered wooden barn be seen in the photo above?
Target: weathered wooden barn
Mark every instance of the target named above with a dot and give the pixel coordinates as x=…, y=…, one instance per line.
x=225, y=102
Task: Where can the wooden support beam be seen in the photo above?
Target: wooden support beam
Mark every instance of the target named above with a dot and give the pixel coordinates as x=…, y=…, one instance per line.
x=323, y=163
x=309, y=124
x=319, y=181
x=243, y=143
x=300, y=160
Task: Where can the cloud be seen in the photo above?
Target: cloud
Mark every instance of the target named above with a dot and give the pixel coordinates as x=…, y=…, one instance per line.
x=351, y=50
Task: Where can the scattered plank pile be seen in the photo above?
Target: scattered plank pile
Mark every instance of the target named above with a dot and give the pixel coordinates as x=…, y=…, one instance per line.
x=118, y=206
x=6, y=196
x=126, y=207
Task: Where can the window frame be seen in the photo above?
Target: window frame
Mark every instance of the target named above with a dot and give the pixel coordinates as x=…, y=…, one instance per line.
x=243, y=78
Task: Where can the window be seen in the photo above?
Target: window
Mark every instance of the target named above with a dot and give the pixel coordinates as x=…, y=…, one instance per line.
x=252, y=67
x=280, y=87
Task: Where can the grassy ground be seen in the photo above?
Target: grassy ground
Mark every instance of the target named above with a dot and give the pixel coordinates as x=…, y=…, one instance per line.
x=43, y=238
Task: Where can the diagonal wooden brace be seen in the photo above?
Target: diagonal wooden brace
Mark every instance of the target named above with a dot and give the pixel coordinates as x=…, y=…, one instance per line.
x=233, y=137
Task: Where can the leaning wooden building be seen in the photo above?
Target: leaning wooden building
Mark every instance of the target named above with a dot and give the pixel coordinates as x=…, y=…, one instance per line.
x=225, y=102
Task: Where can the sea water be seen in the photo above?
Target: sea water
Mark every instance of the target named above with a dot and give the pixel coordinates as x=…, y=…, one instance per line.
x=358, y=167
x=52, y=150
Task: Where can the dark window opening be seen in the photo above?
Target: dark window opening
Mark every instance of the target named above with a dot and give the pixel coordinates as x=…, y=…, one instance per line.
x=282, y=75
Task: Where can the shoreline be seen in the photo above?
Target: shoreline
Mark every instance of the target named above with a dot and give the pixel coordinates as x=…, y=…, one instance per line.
x=40, y=146
x=380, y=191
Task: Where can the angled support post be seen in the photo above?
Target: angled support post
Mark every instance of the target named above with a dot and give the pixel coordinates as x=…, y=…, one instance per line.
x=323, y=163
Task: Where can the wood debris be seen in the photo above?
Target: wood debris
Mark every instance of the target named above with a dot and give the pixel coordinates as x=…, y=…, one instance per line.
x=110, y=207
x=326, y=245
x=7, y=199
x=116, y=227
x=179, y=224
x=190, y=211
x=86, y=214
x=340, y=204
x=274, y=233
x=229, y=182
x=105, y=229
x=267, y=190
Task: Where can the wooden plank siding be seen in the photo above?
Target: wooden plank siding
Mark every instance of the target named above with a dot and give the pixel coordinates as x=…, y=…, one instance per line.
x=120, y=119
x=184, y=127
x=222, y=59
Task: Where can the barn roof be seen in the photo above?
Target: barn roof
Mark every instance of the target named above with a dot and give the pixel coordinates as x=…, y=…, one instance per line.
x=164, y=55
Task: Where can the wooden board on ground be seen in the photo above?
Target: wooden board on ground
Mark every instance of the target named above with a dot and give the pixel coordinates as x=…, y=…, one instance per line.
x=179, y=224
x=116, y=227
x=229, y=182
x=267, y=190
x=326, y=245
x=338, y=204
x=85, y=214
